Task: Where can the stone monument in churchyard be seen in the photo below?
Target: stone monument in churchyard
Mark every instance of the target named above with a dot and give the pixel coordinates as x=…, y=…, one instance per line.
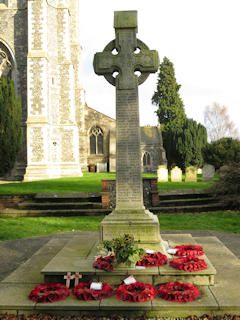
x=176, y=174
x=191, y=174
x=130, y=215
x=162, y=173
x=208, y=172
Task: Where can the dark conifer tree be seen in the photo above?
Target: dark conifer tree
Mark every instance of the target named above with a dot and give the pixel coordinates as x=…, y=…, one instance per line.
x=10, y=125
x=171, y=113
x=183, y=138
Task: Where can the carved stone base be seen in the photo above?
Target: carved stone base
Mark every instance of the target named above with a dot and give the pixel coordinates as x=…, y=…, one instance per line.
x=51, y=171
x=142, y=224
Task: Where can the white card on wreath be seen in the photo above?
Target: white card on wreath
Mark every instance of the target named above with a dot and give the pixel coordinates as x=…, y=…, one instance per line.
x=140, y=267
x=129, y=280
x=150, y=251
x=96, y=286
x=172, y=251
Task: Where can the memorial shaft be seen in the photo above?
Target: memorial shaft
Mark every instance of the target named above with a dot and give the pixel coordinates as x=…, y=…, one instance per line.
x=129, y=193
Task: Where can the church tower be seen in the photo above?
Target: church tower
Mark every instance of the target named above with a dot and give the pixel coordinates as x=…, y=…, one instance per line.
x=53, y=85
x=39, y=39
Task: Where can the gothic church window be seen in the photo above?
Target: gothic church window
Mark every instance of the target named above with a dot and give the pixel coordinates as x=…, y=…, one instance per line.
x=146, y=159
x=96, y=140
x=6, y=63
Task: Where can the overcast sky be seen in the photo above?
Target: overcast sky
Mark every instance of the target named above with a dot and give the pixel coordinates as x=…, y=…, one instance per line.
x=200, y=37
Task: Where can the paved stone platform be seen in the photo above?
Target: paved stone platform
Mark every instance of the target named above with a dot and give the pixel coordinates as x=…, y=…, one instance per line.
x=221, y=298
x=78, y=256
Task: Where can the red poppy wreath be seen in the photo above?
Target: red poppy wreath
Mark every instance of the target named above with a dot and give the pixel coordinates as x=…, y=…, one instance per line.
x=104, y=263
x=188, y=264
x=83, y=292
x=153, y=260
x=178, y=292
x=49, y=292
x=189, y=250
x=135, y=292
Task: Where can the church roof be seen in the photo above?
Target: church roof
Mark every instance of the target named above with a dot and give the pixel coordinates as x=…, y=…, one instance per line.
x=149, y=135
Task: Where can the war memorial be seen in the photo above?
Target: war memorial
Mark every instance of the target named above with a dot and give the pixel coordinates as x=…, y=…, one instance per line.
x=71, y=257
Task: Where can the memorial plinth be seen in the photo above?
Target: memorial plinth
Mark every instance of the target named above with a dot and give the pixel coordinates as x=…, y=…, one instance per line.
x=130, y=215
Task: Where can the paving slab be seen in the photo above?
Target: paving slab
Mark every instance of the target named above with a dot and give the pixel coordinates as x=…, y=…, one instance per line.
x=206, y=303
x=112, y=303
x=15, y=297
x=70, y=303
x=217, y=251
x=28, y=272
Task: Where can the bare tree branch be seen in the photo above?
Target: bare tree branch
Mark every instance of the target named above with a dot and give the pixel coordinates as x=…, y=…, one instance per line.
x=218, y=123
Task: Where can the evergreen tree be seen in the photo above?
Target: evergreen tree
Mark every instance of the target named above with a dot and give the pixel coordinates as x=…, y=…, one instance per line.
x=222, y=152
x=183, y=138
x=171, y=113
x=10, y=125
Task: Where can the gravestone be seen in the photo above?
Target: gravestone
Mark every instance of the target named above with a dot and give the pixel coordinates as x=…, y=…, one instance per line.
x=191, y=174
x=176, y=174
x=130, y=215
x=162, y=173
x=101, y=167
x=208, y=172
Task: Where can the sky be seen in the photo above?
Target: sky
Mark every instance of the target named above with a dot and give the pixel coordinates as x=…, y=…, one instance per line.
x=200, y=37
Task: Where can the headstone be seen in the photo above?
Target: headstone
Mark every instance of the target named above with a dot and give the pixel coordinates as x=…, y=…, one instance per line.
x=176, y=175
x=130, y=215
x=208, y=172
x=162, y=173
x=223, y=170
x=191, y=174
x=101, y=167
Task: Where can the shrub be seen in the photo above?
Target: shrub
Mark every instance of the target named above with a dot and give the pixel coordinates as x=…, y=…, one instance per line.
x=227, y=188
x=222, y=152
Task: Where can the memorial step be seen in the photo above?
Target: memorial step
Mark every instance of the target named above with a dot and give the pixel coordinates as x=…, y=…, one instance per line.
x=185, y=201
x=220, y=299
x=11, y=212
x=78, y=256
x=183, y=194
x=59, y=205
x=188, y=208
x=68, y=197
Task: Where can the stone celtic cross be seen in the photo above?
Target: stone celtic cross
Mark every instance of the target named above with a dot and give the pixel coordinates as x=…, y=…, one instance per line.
x=126, y=55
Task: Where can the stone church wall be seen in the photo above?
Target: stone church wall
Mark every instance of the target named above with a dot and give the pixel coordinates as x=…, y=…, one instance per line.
x=14, y=37
x=95, y=118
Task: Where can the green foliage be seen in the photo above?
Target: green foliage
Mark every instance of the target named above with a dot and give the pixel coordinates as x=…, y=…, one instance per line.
x=222, y=152
x=227, y=188
x=10, y=125
x=125, y=249
x=170, y=110
x=183, y=138
x=184, y=145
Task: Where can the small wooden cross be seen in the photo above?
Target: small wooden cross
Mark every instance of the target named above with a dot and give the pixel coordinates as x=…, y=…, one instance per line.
x=77, y=276
x=68, y=278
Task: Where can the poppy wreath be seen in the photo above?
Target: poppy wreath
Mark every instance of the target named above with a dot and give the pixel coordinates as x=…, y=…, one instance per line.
x=153, y=260
x=49, y=292
x=189, y=250
x=104, y=263
x=83, y=292
x=178, y=292
x=188, y=264
x=135, y=292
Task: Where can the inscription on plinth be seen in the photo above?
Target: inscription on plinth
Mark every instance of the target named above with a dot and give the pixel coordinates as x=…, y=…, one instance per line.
x=129, y=181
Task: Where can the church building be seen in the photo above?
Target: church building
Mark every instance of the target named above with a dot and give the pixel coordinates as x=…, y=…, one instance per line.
x=40, y=50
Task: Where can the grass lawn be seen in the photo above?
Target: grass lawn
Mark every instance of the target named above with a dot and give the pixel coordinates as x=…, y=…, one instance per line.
x=90, y=182
x=16, y=228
